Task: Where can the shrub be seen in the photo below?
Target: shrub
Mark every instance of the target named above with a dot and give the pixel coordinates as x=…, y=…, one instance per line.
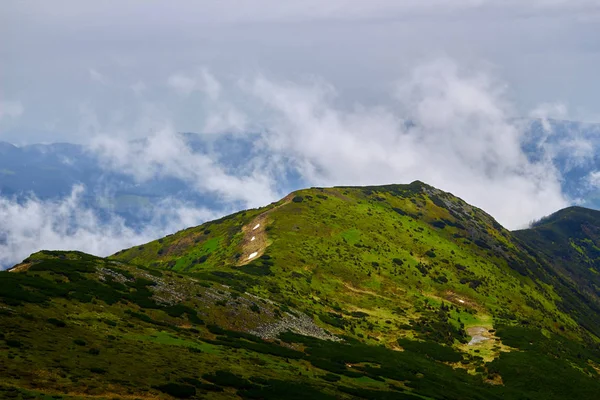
x=57, y=322
x=431, y=349
x=359, y=314
x=178, y=390
x=298, y=199
x=14, y=343
x=226, y=378
x=439, y=224
x=330, y=377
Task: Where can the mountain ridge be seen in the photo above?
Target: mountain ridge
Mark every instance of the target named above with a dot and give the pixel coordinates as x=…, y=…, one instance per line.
x=395, y=291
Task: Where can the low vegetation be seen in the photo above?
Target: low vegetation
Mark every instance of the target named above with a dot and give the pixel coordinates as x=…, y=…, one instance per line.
x=365, y=292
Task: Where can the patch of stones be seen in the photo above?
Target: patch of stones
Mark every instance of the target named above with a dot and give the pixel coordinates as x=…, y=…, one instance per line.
x=299, y=323
x=104, y=272
x=164, y=292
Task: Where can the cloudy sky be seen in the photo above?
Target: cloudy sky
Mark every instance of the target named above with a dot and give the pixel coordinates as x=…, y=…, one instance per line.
x=70, y=68
x=335, y=91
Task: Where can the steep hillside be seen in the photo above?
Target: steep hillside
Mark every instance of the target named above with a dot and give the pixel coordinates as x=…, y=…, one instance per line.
x=569, y=242
x=389, y=292
x=570, y=238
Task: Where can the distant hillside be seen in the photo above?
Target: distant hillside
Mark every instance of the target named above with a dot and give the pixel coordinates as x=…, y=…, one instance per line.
x=569, y=241
x=384, y=292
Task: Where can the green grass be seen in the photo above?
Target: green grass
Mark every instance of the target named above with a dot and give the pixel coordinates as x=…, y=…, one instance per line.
x=382, y=269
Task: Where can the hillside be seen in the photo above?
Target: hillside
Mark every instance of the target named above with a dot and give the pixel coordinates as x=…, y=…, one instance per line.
x=388, y=292
x=569, y=242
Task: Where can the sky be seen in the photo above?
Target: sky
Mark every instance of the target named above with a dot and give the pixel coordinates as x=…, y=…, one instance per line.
x=339, y=92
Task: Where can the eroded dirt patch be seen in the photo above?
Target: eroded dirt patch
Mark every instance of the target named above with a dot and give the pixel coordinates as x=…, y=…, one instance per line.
x=478, y=334
x=255, y=240
x=21, y=267
x=460, y=300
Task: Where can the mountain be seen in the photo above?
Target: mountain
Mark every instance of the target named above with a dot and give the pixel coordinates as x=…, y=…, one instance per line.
x=569, y=242
x=384, y=292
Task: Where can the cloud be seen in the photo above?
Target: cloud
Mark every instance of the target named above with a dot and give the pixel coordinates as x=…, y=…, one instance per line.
x=231, y=11
x=593, y=179
x=138, y=88
x=165, y=153
x=182, y=84
x=97, y=77
x=450, y=128
x=10, y=109
x=68, y=224
x=546, y=111
x=572, y=144
x=201, y=81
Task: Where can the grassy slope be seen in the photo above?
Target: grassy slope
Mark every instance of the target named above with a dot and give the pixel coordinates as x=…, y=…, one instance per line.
x=570, y=237
x=382, y=268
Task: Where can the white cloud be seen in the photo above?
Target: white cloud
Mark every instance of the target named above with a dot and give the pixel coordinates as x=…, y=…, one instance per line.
x=593, y=179
x=10, y=109
x=573, y=143
x=97, y=77
x=138, y=88
x=165, y=153
x=546, y=111
x=67, y=224
x=182, y=84
x=451, y=129
x=201, y=81
x=232, y=11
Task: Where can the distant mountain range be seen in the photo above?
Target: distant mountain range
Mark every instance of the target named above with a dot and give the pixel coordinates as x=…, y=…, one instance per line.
x=49, y=171
x=574, y=148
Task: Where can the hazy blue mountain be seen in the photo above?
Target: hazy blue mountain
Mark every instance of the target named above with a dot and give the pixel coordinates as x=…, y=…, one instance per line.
x=574, y=150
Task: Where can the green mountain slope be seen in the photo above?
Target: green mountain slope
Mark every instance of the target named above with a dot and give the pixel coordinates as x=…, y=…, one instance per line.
x=390, y=292
x=570, y=240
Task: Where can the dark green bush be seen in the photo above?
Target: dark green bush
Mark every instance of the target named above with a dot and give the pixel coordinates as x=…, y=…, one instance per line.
x=57, y=322
x=178, y=390
x=431, y=349
x=226, y=378
x=14, y=343
x=330, y=377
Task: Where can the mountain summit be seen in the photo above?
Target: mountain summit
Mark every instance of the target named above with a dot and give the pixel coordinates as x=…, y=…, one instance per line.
x=383, y=292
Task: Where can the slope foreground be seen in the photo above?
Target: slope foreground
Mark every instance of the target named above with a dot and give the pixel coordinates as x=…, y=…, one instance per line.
x=388, y=292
